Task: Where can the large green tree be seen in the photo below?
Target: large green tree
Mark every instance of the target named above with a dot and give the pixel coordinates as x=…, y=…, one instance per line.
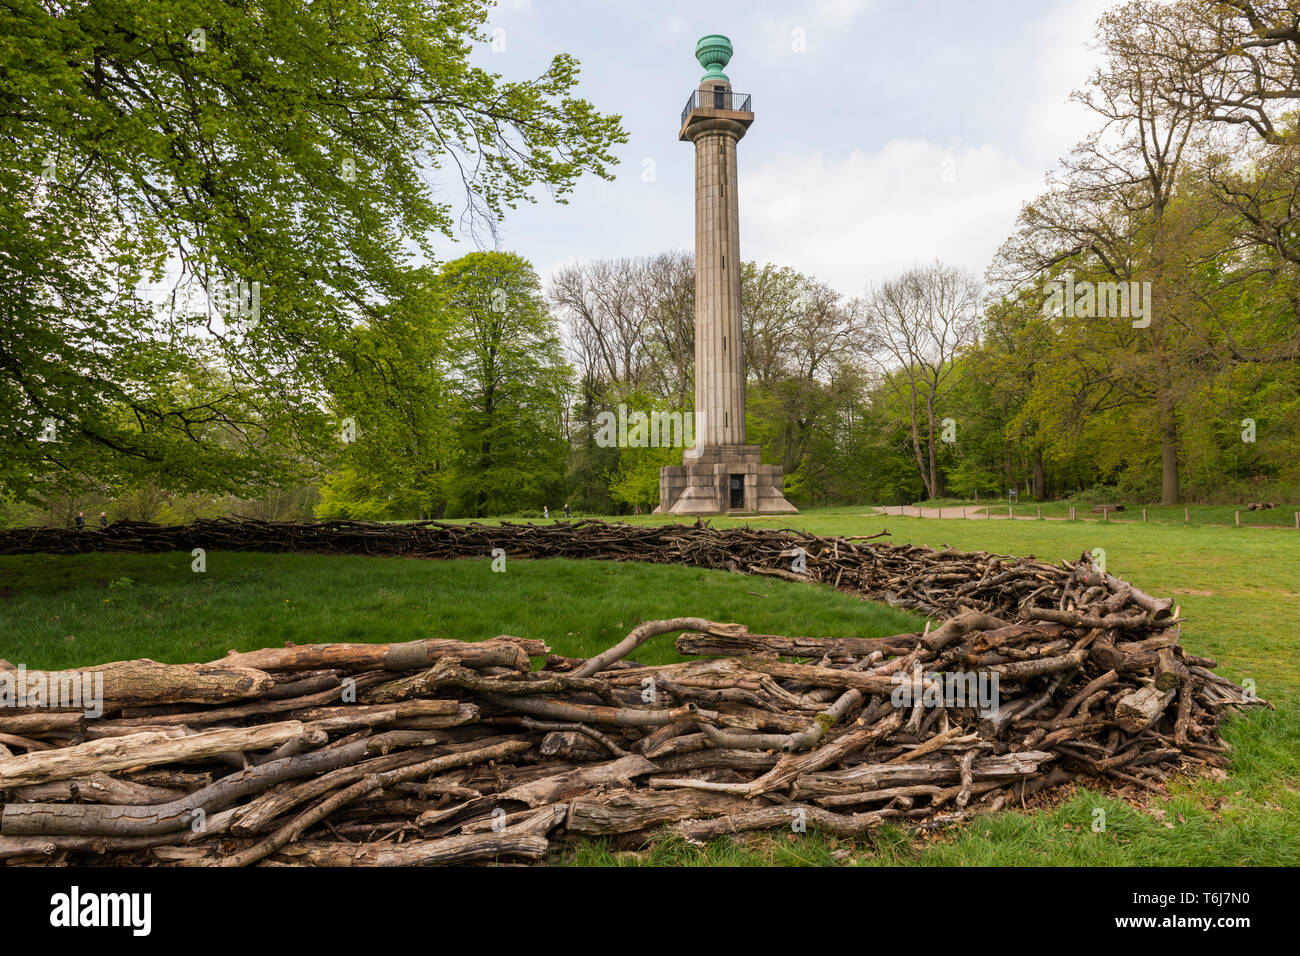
x=507, y=382
x=390, y=397
x=298, y=154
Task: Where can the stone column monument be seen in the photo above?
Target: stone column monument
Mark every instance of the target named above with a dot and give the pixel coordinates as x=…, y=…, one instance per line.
x=720, y=473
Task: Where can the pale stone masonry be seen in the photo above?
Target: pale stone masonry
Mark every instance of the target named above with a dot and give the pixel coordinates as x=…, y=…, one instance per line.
x=720, y=473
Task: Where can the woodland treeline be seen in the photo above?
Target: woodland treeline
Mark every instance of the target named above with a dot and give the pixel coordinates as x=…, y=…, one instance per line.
x=1135, y=338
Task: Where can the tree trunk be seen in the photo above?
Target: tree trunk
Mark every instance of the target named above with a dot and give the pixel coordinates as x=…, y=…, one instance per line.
x=1169, y=460
x=936, y=480
x=916, y=444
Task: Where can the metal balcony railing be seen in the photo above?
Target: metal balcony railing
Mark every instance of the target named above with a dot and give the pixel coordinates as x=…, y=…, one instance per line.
x=718, y=100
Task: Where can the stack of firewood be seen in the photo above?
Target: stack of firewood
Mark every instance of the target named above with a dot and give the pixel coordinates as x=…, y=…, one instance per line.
x=441, y=751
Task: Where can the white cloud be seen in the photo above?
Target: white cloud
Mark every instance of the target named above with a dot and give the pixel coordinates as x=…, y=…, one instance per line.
x=833, y=196
x=805, y=29
x=840, y=11
x=773, y=39
x=859, y=217
x=1062, y=62
x=863, y=218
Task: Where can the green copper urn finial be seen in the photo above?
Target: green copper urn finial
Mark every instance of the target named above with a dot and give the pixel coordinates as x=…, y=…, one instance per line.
x=713, y=52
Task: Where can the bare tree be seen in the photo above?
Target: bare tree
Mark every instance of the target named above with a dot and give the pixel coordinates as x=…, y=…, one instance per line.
x=1122, y=176
x=795, y=326
x=1235, y=62
x=601, y=304
x=919, y=323
x=630, y=322
x=667, y=289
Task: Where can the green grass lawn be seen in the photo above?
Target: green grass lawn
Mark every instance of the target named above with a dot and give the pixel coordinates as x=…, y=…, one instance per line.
x=1283, y=516
x=58, y=612
x=1239, y=591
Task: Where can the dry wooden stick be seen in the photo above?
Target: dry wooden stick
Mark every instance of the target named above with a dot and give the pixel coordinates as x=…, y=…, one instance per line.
x=295, y=827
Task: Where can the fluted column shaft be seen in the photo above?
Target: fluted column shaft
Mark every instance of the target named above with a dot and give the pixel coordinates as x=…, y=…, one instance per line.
x=719, y=352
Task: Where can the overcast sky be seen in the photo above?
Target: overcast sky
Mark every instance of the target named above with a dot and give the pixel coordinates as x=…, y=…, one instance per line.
x=902, y=131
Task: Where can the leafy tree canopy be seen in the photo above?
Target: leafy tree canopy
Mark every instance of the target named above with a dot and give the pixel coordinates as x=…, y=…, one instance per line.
x=290, y=160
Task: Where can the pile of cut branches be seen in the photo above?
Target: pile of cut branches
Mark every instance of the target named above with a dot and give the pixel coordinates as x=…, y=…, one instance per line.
x=441, y=751
x=936, y=583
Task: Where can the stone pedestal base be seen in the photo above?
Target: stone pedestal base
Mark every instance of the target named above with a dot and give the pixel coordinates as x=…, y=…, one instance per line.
x=703, y=484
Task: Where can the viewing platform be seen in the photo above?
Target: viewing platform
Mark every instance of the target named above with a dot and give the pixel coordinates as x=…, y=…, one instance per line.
x=720, y=103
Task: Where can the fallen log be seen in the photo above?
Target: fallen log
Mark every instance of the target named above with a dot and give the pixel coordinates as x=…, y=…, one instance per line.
x=449, y=851
x=573, y=783
x=96, y=788
x=389, y=657
x=138, y=750
x=796, y=817
x=932, y=770
x=626, y=811
x=139, y=681
x=746, y=645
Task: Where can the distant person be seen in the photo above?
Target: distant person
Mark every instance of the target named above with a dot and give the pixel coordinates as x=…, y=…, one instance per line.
x=81, y=520
x=103, y=519
x=546, y=511
x=566, y=510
